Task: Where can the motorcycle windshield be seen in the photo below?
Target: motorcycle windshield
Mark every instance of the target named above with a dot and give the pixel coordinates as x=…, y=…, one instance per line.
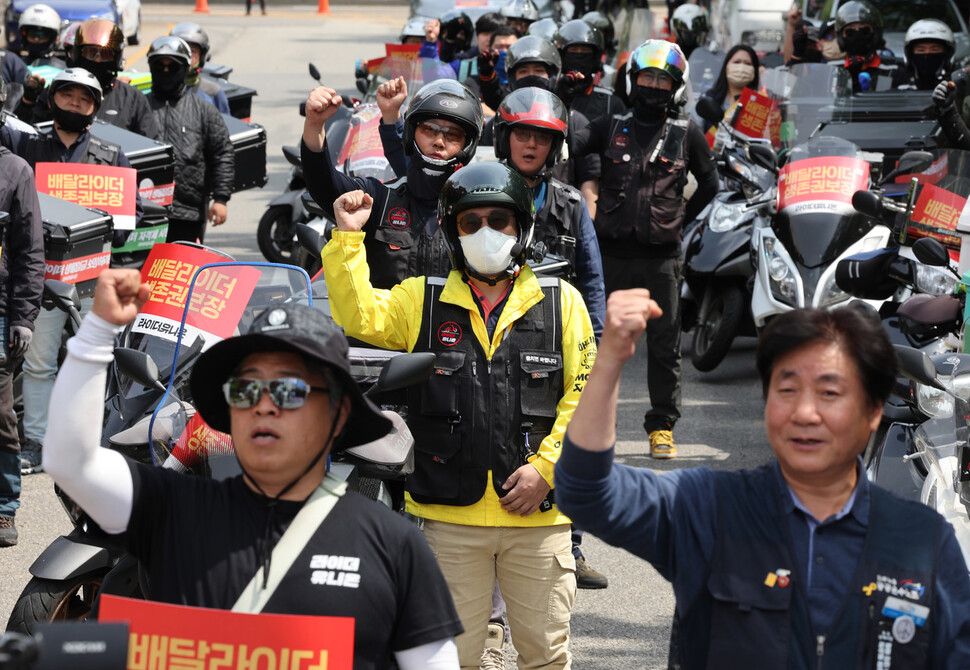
x=808, y=96
x=940, y=188
x=816, y=221
x=197, y=300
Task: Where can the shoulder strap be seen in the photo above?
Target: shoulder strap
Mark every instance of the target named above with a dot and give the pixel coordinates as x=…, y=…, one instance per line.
x=552, y=312
x=310, y=517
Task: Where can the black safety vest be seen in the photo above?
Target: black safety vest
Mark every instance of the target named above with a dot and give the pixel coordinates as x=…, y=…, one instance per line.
x=639, y=199
x=754, y=614
x=396, y=242
x=47, y=149
x=557, y=223
x=474, y=414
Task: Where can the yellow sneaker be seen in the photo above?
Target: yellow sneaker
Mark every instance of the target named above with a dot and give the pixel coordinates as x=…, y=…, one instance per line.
x=662, y=444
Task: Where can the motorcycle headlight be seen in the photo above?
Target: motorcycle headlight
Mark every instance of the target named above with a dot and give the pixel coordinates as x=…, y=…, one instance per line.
x=726, y=216
x=933, y=402
x=831, y=293
x=740, y=168
x=934, y=281
x=781, y=280
x=960, y=385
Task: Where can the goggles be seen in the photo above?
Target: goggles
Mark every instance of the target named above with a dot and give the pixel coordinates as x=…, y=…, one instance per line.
x=863, y=30
x=286, y=393
x=98, y=54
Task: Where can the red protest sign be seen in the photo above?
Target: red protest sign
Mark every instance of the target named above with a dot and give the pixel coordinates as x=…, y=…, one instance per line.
x=218, y=299
x=407, y=51
x=199, y=440
x=164, y=636
x=937, y=211
x=104, y=187
x=826, y=178
x=755, y=110
x=77, y=270
x=363, y=141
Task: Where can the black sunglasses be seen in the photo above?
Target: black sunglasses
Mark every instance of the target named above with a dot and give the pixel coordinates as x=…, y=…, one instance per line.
x=498, y=219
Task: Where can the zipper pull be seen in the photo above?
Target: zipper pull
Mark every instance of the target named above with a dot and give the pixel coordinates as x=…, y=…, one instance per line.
x=474, y=374
x=820, y=646
x=488, y=365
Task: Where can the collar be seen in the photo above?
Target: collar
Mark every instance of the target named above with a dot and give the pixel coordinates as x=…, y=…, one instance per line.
x=539, y=194
x=525, y=293
x=857, y=505
x=487, y=306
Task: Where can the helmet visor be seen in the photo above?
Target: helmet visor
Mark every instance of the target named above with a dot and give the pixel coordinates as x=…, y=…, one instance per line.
x=660, y=56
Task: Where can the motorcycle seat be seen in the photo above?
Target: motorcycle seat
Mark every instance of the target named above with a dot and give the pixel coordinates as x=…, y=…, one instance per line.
x=931, y=310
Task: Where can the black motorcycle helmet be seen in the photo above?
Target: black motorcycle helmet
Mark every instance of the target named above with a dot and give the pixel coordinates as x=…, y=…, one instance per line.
x=169, y=84
x=545, y=28
x=579, y=33
x=602, y=23
x=859, y=11
x=689, y=26
x=534, y=108
x=483, y=184
x=457, y=25
x=532, y=49
x=450, y=100
x=192, y=33
x=519, y=14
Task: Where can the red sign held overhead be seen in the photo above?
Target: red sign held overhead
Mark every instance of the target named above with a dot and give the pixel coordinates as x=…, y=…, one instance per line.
x=755, y=112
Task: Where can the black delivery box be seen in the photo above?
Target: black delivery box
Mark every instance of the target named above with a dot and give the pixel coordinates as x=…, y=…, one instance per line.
x=154, y=161
x=249, y=143
x=77, y=242
x=240, y=98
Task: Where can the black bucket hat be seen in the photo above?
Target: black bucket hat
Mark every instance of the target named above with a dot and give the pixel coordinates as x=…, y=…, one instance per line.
x=291, y=327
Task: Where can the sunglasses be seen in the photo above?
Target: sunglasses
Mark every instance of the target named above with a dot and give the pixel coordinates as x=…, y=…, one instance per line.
x=432, y=130
x=37, y=34
x=98, y=54
x=861, y=30
x=501, y=220
x=525, y=135
x=286, y=393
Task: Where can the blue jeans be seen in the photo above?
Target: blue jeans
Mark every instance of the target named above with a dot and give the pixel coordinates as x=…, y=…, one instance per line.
x=40, y=368
x=9, y=444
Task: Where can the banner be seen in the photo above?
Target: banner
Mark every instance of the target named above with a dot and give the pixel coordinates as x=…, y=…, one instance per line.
x=163, y=637
x=825, y=179
x=406, y=51
x=77, y=270
x=141, y=239
x=218, y=300
x=936, y=214
x=104, y=187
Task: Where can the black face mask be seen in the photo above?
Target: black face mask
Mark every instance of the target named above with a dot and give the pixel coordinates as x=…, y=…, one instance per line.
x=105, y=73
x=531, y=80
x=72, y=122
x=580, y=62
x=650, y=104
x=859, y=44
x=927, y=67
x=168, y=84
x=39, y=49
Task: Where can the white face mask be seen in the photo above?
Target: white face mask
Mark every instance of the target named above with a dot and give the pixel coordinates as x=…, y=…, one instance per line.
x=739, y=74
x=487, y=251
x=830, y=50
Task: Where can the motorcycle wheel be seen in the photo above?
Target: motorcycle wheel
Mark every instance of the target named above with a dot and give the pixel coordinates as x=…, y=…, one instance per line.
x=276, y=235
x=48, y=600
x=716, y=328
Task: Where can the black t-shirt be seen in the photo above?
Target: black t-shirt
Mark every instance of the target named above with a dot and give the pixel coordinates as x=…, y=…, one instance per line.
x=200, y=540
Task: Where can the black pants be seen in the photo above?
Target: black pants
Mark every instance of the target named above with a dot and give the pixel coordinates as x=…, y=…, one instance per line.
x=262, y=6
x=662, y=277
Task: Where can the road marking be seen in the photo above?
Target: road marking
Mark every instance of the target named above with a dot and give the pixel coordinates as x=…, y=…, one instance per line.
x=144, y=50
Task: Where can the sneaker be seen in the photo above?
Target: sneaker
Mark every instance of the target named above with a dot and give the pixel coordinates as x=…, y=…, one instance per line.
x=493, y=656
x=587, y=577
x=8, y=532
x=662, y=444
x=30, y=458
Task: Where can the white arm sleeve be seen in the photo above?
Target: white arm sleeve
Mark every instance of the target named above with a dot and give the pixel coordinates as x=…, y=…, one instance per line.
x=98, y=479
x=440, y=655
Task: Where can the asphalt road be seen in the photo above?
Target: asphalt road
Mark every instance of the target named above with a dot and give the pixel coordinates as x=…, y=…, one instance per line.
x=623, y=627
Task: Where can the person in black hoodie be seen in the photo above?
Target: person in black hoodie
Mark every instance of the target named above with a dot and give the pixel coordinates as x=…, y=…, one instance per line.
x=204, y=158
x=441, y=131
x=98, y=48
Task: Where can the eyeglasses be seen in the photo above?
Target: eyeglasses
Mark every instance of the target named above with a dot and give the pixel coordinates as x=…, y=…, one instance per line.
x=863, y=30
x=286, y=393
x=525, y=135
x=98, y=54
x=450, y=134
x=501, y=220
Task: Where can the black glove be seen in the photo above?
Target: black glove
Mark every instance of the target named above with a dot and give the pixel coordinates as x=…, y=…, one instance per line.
x=855, y=64
x=486, y=63
x=944, y=96
x=572, y=83
x=19, y=340
x=32, y=88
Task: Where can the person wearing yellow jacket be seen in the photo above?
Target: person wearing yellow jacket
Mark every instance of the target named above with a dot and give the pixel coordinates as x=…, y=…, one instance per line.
x=513, y=354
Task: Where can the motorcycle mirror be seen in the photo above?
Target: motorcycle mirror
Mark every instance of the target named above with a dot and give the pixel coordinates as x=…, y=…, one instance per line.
x=310, y=239
x=708, y=110
x=139, y=366
x=910, y=162
x=916, y=365
x=315, y=73
x=362, y=85
x=403, y=371
x=764, y=156
x=360, y=69
x=61, y=295
x=867, y=203
x=292, y=155
x=931, y=252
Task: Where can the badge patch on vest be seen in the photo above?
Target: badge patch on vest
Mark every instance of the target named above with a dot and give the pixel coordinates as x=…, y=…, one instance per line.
x=621, y=141
x=399, y=218
x=449, y=334
x=778, y=578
